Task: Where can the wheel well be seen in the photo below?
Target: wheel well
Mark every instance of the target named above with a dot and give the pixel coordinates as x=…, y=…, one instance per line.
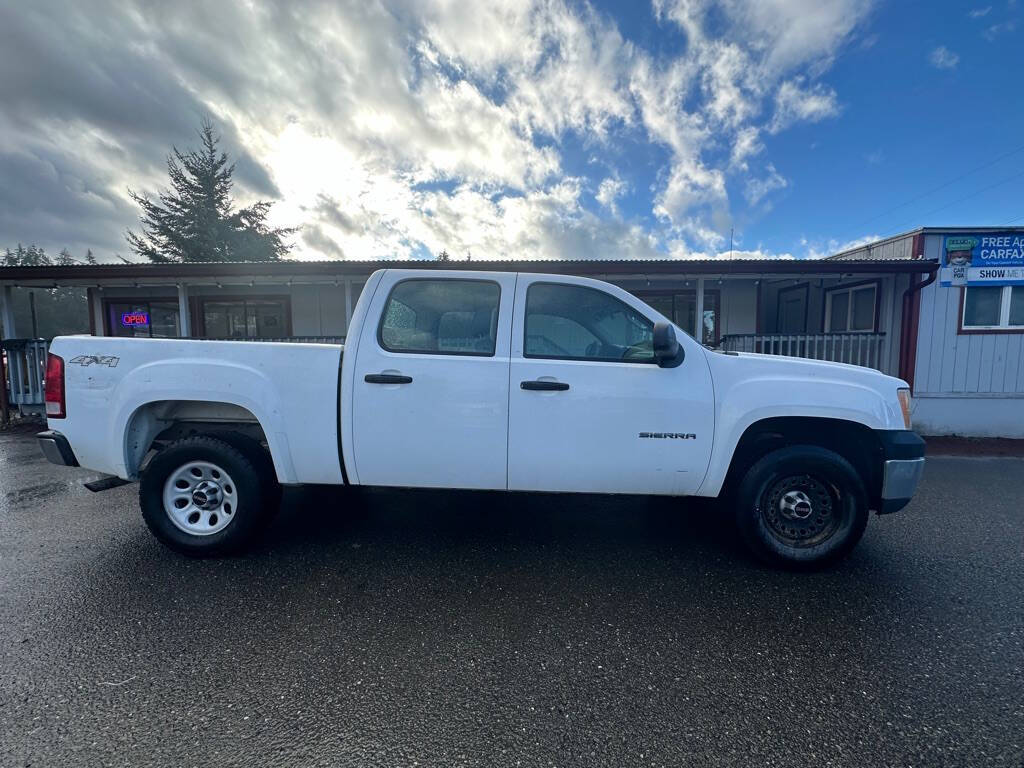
x=155, y=424
x=855, y=442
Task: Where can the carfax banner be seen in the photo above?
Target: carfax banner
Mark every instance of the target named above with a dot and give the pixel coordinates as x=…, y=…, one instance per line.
x=993, y=258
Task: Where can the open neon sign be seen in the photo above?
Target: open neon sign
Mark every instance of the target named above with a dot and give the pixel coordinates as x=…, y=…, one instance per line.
x=134, y=319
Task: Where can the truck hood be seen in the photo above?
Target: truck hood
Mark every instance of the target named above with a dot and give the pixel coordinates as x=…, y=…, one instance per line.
x=750, y=386
x=779, y=365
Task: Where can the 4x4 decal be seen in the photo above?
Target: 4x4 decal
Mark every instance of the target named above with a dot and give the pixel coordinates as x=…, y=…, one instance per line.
x=108, y=360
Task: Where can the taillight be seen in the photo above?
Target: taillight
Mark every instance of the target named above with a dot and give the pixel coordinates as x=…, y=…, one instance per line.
x=54, y=387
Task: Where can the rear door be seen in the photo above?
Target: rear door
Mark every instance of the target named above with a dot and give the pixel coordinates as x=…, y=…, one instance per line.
x=430, y=404
x=589, y=408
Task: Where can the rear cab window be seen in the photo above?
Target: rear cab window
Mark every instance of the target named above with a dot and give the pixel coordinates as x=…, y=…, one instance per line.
x=447, y=316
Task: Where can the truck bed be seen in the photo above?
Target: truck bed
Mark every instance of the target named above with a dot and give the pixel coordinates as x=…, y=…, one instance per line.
x=117, y=391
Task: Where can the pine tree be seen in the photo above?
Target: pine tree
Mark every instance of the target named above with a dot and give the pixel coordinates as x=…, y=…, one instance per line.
x=196, y=220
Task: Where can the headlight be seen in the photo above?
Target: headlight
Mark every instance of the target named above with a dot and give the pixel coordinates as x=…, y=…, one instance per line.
x=904, y=396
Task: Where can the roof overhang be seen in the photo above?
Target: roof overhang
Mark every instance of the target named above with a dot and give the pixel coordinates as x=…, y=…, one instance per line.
x=325, y=271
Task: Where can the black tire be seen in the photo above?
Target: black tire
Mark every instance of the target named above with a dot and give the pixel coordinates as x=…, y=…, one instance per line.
x=801, y=507
x=249, y=485
x=261, y=459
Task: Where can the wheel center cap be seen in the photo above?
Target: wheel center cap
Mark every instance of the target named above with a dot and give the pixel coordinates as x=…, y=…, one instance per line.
x=796, y=505
x=207, y=495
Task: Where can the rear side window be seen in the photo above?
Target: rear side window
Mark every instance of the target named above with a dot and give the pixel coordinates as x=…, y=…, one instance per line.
x=574, y=322
x=441, y=317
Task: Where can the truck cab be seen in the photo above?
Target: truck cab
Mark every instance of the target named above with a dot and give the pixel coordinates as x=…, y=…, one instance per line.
x=521, y=382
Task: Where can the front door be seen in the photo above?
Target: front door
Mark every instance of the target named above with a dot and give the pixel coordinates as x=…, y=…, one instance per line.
x=792, y=310
x=431, y=382
x=589, y=408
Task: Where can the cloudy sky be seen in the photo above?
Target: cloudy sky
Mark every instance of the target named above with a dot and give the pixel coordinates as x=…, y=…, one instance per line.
x=512, y=128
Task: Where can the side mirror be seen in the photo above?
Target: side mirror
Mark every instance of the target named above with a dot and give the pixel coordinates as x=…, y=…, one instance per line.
x=666, y=346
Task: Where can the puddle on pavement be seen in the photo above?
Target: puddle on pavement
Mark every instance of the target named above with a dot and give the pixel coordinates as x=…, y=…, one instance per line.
x=36, y=492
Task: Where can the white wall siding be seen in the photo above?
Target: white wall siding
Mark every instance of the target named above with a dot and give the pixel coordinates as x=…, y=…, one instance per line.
x=971, y=384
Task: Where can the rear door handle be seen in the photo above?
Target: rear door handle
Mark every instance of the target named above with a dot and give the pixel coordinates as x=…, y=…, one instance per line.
x=387, y=378
x=544, y=386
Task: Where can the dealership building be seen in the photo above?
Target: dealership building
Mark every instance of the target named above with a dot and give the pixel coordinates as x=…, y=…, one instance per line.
x=942, y=308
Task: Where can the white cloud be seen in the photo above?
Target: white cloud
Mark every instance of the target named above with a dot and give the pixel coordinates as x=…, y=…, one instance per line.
x=397, y=129
x=943, y=58
x=995, y=30
x=797, y=101
x=757, y=189
x=824, y=249
x=977, y=13
x=610, y=190
x=747, y=144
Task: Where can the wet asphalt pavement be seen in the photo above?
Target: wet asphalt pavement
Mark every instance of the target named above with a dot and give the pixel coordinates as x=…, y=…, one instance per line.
x=442, y=629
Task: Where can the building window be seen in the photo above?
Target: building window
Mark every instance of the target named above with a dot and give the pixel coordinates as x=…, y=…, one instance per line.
x=852, y=309
x=993, y=307
x=145, y=318
x=681, y=308
x=245, y=317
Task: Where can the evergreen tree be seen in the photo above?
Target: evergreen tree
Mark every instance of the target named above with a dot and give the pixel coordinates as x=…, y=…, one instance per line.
x=196, y=221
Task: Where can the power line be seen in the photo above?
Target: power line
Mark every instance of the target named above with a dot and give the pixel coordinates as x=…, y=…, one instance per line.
x=975, y=193
x=945, y=184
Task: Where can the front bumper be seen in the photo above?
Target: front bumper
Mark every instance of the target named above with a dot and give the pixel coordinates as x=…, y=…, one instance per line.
x=56, y=448
x=903, y=464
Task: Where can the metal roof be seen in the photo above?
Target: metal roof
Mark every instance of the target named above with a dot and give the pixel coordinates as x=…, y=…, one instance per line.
x=284, y=270
x=885, y=247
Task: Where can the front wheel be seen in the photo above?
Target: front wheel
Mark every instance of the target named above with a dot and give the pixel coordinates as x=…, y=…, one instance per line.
x=801, y=506
x=204, y=497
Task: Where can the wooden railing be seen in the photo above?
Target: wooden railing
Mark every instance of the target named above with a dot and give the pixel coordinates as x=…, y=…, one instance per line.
x=856, y=348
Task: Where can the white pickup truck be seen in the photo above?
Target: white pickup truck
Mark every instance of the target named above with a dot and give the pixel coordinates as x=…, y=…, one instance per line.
x=503, y=381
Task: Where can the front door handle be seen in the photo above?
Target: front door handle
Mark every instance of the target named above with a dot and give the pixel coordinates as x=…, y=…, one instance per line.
x=387, y=378
x=544, y=386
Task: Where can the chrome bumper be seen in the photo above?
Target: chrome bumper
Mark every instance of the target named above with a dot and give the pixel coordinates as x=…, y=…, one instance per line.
x=901, y=478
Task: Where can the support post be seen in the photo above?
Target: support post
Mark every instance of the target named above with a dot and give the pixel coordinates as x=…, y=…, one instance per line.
x=698, y=332
x=7, y=312
x=348, y=304
x=184, y=316
x=7, y=318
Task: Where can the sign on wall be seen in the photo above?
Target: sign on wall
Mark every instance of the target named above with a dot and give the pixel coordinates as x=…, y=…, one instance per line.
x=135, y=319
x=993, y=258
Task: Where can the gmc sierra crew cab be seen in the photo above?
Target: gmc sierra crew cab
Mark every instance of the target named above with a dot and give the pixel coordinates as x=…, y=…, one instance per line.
x=487, y=380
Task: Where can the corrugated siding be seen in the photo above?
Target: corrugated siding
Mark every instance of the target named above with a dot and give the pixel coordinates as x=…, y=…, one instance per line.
x=952, y=364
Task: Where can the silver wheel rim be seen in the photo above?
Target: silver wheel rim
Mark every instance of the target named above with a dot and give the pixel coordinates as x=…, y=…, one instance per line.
x=200, y=498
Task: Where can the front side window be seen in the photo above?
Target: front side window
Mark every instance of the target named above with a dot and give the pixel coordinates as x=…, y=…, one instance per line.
x=574, y=322
x=441, y=317
x=851, y=309
x=993, y=307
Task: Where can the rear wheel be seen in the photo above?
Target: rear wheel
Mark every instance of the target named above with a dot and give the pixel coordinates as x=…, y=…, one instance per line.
x=204, y=497
x=802, y=507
